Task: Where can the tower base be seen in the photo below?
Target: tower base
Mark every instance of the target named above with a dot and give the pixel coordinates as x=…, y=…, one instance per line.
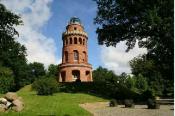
x=75, y=72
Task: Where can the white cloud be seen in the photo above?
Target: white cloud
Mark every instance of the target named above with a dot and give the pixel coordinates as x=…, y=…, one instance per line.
x=35, y=14
x=116, y=59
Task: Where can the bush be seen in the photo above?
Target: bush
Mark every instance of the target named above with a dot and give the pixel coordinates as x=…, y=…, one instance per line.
x=113, y=103
x=45, y=86
x=147, y=94
x=129, y=103
x=6, y=80
x=152, y=104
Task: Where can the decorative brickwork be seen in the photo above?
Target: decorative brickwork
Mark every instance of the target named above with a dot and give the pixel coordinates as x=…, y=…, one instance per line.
x=75, y=66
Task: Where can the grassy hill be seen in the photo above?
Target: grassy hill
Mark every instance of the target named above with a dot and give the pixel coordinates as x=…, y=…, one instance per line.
x=60, y=104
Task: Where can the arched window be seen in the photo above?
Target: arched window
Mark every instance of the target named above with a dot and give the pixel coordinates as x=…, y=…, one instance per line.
x=84, y=56
x=70, y=40
x=75, y=40
x=83, y=41
x=76, y=55
x=66, y=41
x=66, y=56
x=80, y=40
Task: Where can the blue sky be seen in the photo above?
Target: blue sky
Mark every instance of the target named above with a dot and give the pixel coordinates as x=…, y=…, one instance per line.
x=44, y=22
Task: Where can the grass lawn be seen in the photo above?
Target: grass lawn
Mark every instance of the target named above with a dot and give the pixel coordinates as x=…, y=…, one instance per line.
x=60, y=104
x=1, y=95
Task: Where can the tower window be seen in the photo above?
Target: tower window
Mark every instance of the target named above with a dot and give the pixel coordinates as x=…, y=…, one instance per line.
x=75, y=28
x=80, y=40
x=75, y=40
x=66, y=56
x=84, y=56
x=76, y=56
x=83, y=41
x=70, y=40
x=66, y=41
x=87, y=72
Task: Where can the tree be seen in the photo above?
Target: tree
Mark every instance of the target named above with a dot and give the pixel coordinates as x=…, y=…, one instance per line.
x=6, y=79
x=130, y=82
x=157, y=84
x=102, y=75
x=53, y=70
x=36, y=70
x=141, y=83
x=150, y=22
x=45, y=86
x=12, y=53
x=140, y=65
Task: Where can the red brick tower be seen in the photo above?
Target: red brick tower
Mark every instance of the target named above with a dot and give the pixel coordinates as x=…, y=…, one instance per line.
x=74, y=66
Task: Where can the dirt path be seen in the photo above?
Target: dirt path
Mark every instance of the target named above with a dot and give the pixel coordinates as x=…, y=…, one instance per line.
x=102, y=109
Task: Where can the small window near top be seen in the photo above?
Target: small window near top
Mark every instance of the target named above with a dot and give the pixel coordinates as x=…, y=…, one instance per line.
x=80, y=40
x=70, y=40
x=75, y=40
x=76, y=55
x=75, y=28
x=83, y=41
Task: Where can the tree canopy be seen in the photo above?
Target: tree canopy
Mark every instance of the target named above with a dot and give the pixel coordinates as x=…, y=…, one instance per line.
x=52, y=70
x=150, y=22
x=12, y=53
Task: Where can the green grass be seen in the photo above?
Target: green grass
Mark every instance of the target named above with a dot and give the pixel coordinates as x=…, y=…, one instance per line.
x=60, y=104
x=1, y=95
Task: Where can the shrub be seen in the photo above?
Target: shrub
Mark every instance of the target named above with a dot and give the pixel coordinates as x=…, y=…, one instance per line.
x=113, y=103
x=152, y=104
x=6, y=80
x=129, y=103
x=45, y=86
x=147, y=94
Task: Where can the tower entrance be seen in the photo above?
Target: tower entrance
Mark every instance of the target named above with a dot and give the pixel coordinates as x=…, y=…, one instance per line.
x=76, y=75
x=63, y=76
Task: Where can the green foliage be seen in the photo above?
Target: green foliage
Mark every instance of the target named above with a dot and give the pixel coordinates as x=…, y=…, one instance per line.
x=157, y=87
x=6, y=79
x=114, y=86
x=130, y=82
x=147, y=95
x=52, y=70
x=45, y=86
x=150, y=22
x=140, y=65
x=102, y=74
x=106, y=90
x=7, y=22
x=141, y=83
x=138, y=83
x=168, y=90
x=12, y=53
x=36, y=70
x=59, y=104
x=155, y=80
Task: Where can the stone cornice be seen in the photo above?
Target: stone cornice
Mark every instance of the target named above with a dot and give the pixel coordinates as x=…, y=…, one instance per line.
x=75, y=65
x=75, y=33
